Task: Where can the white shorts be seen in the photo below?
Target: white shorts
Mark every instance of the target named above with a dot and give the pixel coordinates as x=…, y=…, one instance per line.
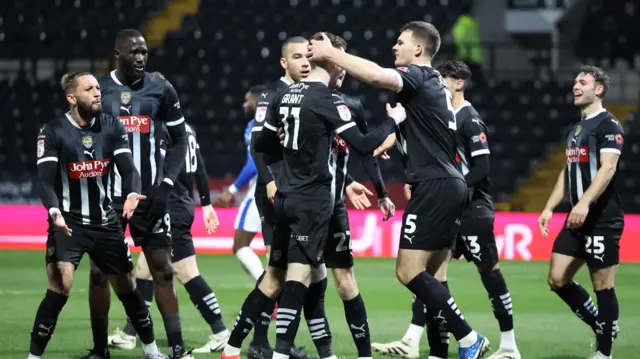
x=248, y=218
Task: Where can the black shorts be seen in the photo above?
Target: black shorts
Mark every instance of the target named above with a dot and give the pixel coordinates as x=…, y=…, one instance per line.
x=181, y=240
x=477, y=242
x=338, y=252
x=148, y=234
x=267, y=217
x=432, y=218
x=301, y=230
x=599, y=247
x=105, y=245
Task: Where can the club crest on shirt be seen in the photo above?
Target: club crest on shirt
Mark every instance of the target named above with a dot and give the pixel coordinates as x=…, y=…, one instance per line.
x=87, y=141
x=344, y=112
x=578, y=130
x=40, y=148
x=125, y=97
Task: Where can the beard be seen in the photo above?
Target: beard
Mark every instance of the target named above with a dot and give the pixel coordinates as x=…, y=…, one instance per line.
x=86, y=110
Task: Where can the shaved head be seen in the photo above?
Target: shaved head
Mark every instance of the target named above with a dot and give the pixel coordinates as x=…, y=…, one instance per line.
x=292, y=40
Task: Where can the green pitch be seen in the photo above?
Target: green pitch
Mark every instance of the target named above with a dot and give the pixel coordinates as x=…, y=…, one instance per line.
x=545, y=328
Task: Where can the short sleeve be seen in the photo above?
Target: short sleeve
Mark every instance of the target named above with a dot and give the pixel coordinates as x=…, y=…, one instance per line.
x=171, y=112
x=47, y=145
x=610, y=136
x=475, y=135
x=334, y=111
x=121, y=138
x=409, y=79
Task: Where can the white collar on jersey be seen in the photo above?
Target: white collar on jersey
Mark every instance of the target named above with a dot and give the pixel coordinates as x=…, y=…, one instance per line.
x=594, y=114
x=465, y=104
x=115, y=79
x=428, y=64
x=284, y=79
x=68, y=115
x=305, y=80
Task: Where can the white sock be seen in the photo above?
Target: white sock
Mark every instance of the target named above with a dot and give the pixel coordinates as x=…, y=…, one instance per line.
x=331, y=357
x=149, y=349
x=469, y=340
x=413, y=334
x=31, y=356
x=250, y=261
x=364, y=357
x=277, y=355
x=508, y=340
x=231, y=350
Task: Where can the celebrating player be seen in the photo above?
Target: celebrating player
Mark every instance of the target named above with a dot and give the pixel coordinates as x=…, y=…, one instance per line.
x=310, y=114
x=144, y=103
x=476, y=240
x=439, y=191
x=183, y=251
x=593, y=228
x=75, y=160
x=247, y=222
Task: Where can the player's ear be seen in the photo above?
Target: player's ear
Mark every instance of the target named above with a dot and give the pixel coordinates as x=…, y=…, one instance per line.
x=71, y=98
x=599, y=89
x=116, y=53
x=283, y=63
x=419, y=51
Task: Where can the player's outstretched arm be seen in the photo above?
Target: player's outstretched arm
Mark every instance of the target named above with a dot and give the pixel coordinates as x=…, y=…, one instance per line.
x=362, y=69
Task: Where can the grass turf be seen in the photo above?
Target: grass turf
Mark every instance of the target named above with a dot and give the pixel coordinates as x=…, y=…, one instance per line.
x=545, y=327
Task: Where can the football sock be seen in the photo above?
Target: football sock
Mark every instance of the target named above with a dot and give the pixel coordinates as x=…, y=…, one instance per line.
x=250, y=312
x=607, y=320
x=356, y=314
x=580, y=303
x=418, y=311
x=173, y=327
x=145, y=287
x=45, y=322
x=437, y=334
x=288, y=316
x=206, y=302
x=500, y=299
x=316, y=319
x=99, y=304
x=440, y=304
x=138, y=314
x=261, y=328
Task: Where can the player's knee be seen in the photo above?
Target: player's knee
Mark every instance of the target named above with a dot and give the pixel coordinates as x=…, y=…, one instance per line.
x=556, y=281
x=185, y=270
x=162, y=274
x=97, y=278
x=271, y=284
x=602, y=279
x=405, y=274
x=345, y=283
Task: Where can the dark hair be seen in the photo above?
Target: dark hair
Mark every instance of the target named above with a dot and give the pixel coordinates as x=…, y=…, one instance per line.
x=599, y=75
x=292, y=40
x=68, y=80
x=126, y=34
x=257, y=89
x=426, y=33
x=336, y=41
x=455, y=69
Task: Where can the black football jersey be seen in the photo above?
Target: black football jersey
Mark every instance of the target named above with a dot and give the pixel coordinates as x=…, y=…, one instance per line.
x=427, y=137
x=472, y=142
x=311, y=115
x=181, y=201
x=143, y=108
x=85, y=157
x=261, y=110
x=596, y=134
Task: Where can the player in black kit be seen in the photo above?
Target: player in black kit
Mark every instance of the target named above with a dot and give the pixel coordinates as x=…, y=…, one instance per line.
x=296, y=67
x=476, y=240
x=76, y=155
x=594, y=226
x=427, y=141
x=144, y=103
x=311, y=115
x=181, y=209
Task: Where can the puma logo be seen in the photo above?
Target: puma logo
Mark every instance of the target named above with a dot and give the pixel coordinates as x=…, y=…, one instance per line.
x=409, y=238
x=478, y=256
x=90, y=154
x=126, y=108
x=601, y=258
x=360, y=328
x=600, y=326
